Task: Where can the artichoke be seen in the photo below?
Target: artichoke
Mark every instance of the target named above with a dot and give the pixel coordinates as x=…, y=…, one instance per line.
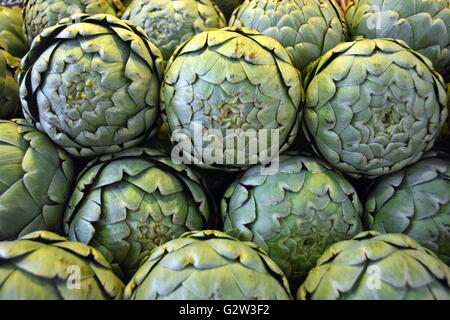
x=168, y=23
x=11, y=31
x=227, y=6
x=377, y=267
x=423, y=24
x=415, y=201
x=92, y=85
x=208, y=265
x=41, y=14
x=373, y=106
x=44, y=266
x=9, y=89
x=127, y=204
x=35, y=181
x=294, y=214
x=306, y=28
x=217, y=87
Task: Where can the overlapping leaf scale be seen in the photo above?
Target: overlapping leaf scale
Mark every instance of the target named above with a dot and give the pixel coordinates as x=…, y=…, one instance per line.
x=36, y=181
x=41, y=263
x=216, y=79
x=373, y=267
x=127, y=204
x=307, y=29
x=41, y=14
x=208, y=265
x=416, y=202
x=169, y=23
x=373, y=107
x=294, y=214
x=423, y=25
x=92, y=84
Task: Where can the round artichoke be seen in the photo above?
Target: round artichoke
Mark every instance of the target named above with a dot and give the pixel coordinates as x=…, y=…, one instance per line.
x=35, y=181
x=11, y=30
x=415, y=201
x=423, y=24
x=9, y=89
x=294, y=214
x=377, y=267
x=306, y=28
x=44, y=266
x=41, y=14
x=168, y=23
x=208, y=265
x=92, y=84
x=127, y=204
x=373, y=106
x=217, y=87
x=227, y=6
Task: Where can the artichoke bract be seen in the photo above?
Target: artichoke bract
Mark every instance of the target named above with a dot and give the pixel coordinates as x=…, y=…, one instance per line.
x=227, y=6
x=127, y=204
x=306, y=28
x=9, y=88
x=11, y=31
x=168, y=23
x=373, y=106
x=415, y=201
x=375, y=266
x=231, y=98
x=424, y=25
x=45, y=266
x=294, y=214
x=41, y=14
x=92, y=85
x=36, y=181
x=208, y=265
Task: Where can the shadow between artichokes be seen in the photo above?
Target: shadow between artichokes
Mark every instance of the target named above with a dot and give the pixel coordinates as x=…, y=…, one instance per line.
x=91, y=83
x=294, y=214
x=375, y=266
x=128, y=203
x=208, y=265
x=45, y=266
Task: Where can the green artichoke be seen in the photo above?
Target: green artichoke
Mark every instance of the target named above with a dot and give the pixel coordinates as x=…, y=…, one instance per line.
x=306, y=28
x=92, y=84
x=227, y=6
x=44, y=266
x=41, y=14
x=415, y=201
x=127, y=204
x=168, y=23
x=217, y=87
x=377, y=267
x=9, y=89
x=36, y=180
x=208, y=265
x=11, y=31
x=373, y=106
x=423, y=24
x=294, y=214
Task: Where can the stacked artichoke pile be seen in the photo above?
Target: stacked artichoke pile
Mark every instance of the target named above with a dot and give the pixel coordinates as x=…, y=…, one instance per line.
x=211, y=149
